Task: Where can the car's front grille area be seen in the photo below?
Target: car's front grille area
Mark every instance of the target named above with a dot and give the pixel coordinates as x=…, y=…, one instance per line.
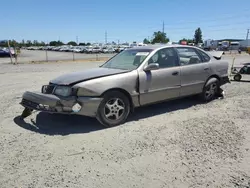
x=48, y=89
x=36, y=106
x=28, y=103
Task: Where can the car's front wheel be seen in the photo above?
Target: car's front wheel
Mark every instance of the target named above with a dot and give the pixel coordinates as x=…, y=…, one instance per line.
x=114, y=109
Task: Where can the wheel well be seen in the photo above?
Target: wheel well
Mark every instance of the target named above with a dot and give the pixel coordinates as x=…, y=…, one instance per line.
x=125, y=93
x=214, y=76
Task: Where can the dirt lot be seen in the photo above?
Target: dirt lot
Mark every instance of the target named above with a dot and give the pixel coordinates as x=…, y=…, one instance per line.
x=176, y=144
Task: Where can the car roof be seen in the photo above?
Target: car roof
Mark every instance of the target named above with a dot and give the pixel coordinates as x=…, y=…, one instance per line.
x=159, y=46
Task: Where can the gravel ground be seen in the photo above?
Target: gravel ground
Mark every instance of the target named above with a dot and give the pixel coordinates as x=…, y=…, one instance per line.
x=176, y=144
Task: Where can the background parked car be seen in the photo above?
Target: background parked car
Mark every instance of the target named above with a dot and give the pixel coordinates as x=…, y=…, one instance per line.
x=108, y=50
x=96, y=50
x=89, y=49
x=4, y=53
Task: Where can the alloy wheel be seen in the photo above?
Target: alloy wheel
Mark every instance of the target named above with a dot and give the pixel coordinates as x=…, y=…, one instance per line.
x=211, y=90
x=114, y=109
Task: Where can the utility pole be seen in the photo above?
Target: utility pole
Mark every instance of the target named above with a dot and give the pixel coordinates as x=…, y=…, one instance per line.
x=106, y=36
x=77, y=40
x=163, y=27
x=247, y=37
x=247, y=34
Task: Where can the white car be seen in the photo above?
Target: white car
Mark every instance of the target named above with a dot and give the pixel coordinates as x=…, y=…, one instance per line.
x=108, y=50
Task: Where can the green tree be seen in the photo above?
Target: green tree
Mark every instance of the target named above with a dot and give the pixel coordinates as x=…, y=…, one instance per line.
x=56, y=43
x=3, y=44
x=82, y=44
x=198, y=36
x=35, y=43
x=88, y=44
x=73, y=43
x=23, y=43
x=160, y=37
x=28, y=43
x=42, y=43
x=146, y=41
x=13, y=43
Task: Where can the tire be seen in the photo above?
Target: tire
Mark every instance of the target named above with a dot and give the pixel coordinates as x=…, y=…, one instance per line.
x=114, y=109
x=237, y=77
x=210, y=90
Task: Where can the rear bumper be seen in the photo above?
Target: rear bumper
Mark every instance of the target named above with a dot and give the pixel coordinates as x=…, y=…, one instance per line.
x=224, y=80
x=54, y=104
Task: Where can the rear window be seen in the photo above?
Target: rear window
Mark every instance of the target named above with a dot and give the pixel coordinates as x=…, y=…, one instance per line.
x=205, y=57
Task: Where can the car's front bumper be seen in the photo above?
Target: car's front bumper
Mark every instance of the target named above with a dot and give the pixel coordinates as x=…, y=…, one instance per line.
x=54, y=104
x=224, y=80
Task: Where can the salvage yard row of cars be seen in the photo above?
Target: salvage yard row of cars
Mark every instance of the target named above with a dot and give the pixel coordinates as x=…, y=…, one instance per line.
x=82, y=49
x=133, y=78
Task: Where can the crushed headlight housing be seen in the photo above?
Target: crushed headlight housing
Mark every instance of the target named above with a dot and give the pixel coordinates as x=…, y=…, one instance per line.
x=64, y=91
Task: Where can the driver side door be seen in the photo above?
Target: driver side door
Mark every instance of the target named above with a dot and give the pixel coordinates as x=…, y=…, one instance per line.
x=163, y=83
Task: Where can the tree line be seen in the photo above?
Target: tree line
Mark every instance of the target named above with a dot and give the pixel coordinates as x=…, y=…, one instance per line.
x=161, y=37
x=158, y=37
x=29, y=43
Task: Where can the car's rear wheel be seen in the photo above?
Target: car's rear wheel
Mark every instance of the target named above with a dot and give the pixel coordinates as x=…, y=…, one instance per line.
x=114, y=109
x=210, y=90
x=237, y=77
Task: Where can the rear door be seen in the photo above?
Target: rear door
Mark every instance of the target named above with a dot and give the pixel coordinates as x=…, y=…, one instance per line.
x=194, y=70
x=161, y=84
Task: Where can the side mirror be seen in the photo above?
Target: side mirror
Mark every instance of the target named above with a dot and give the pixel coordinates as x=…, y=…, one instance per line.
x=151, y=66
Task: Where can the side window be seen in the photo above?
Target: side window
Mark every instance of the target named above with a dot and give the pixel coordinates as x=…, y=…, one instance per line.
x=245, y=70
x=165, y=58
x=188, y=56
x=248, y=70
x=205, y=57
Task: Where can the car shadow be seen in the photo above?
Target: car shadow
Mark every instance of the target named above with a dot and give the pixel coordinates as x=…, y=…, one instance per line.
x=58, y=124
x=164, y=107
x=246, y=81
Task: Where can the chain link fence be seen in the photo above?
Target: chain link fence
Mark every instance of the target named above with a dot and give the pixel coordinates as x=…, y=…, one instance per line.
x=32, y=56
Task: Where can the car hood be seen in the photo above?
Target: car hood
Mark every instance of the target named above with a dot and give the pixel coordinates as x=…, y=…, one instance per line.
x=77, y=77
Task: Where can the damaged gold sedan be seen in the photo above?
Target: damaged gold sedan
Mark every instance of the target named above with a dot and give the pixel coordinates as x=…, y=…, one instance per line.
x=135, y=77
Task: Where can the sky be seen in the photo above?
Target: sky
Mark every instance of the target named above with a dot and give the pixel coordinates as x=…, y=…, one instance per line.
x=126, y=21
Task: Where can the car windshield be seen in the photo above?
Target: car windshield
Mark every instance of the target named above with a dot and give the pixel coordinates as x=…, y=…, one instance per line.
x=127, y=59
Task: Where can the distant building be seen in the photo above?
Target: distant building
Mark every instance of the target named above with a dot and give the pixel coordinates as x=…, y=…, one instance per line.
x=226, y=44
x=245, y=43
